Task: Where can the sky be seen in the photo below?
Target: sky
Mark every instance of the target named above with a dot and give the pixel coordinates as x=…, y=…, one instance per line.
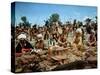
x=36, y=13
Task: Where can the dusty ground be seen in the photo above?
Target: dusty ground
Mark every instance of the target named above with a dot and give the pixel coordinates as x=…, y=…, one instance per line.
x=37, y=62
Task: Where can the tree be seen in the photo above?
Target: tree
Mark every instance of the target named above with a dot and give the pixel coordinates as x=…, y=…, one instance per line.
x=68, y=23
x=88, y=27
x=88, y=20
x=46, y=23
x=96, y=19
x=24, y=19
x=95, y=25
x=24, y=23
x=74, y=23
x=20, y=24
x=79, y=23
x=54, y=18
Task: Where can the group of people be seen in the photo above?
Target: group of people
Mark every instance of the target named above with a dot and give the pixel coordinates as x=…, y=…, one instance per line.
x=74, y=35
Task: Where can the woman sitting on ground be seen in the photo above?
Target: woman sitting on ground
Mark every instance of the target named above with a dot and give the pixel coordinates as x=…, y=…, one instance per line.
x=62, y=40
x=92, y=39
x=23, y=46
x=77, y=40
x=39, y=44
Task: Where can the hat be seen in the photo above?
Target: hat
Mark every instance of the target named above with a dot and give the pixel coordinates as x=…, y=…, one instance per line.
x=22, y=36
x=79, y=31
x=39, y=36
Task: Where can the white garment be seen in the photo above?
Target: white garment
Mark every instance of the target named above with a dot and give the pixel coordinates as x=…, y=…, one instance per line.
x=40, y=36
x=79, y=30
x=23, y=36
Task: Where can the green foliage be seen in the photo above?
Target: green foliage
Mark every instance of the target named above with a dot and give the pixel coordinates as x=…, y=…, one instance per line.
x=24, y=22
x=88, y=20
x=54, y=17
x=24, y=19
